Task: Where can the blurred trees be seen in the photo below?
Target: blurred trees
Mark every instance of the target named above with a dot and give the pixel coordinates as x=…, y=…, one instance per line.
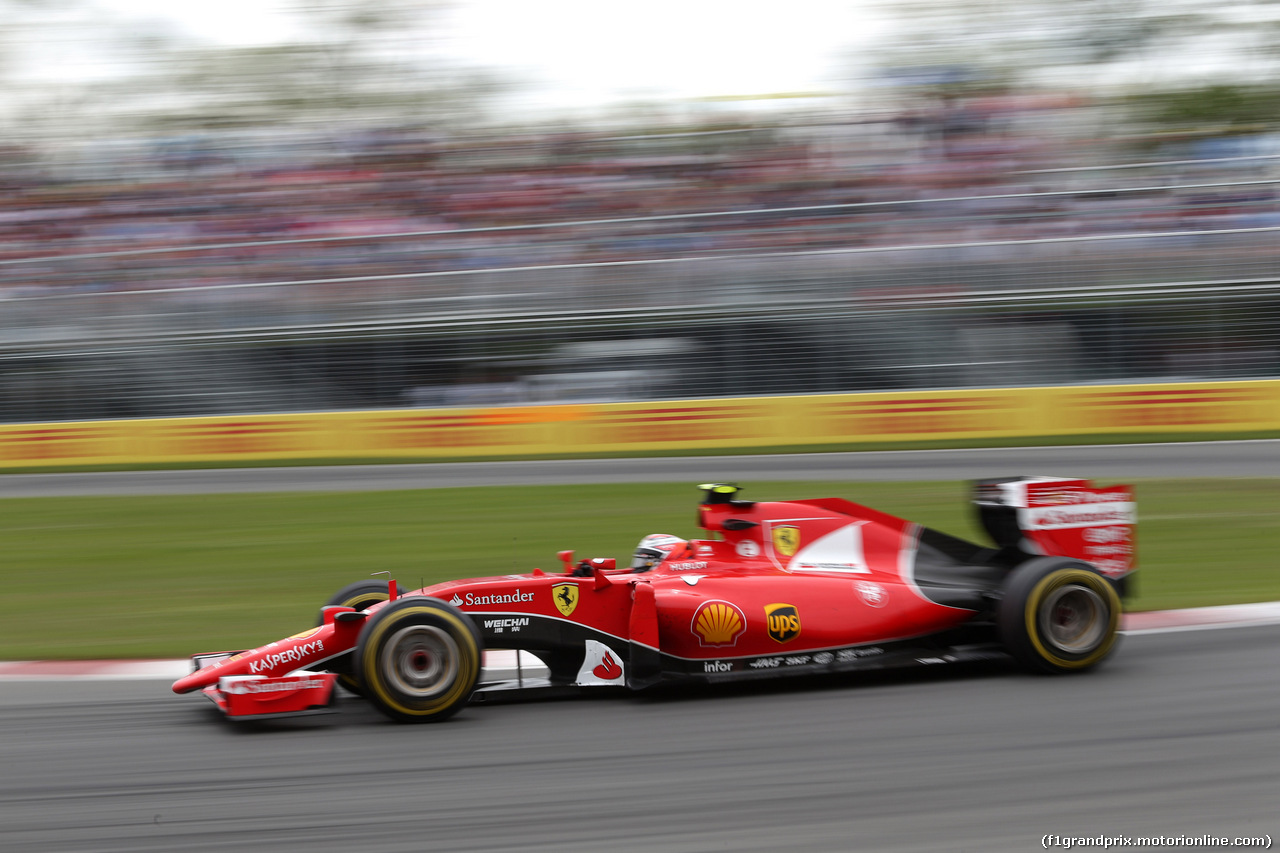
x=350, y=61
x=361, y=61
x=1223, y=108
x=1166, y=69
x=26, y=26
x=72, y=67
x=1087, y=43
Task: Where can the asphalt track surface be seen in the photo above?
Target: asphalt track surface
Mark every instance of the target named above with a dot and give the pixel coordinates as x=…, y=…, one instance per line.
x=1259, y=458
x=1176, y=735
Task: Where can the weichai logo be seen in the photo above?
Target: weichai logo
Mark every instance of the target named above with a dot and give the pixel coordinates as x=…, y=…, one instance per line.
x=783, y=621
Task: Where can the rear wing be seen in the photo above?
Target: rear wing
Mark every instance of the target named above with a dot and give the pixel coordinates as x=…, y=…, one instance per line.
x=1062, y=518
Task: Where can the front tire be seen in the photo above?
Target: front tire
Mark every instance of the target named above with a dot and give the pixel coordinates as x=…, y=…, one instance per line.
x=361, y=595
x=418, y=660
x=1058, y=615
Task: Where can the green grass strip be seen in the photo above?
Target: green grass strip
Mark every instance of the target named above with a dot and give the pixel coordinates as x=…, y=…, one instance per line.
x=141, y=577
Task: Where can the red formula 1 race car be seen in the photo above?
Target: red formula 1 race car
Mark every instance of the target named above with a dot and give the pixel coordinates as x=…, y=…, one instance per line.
x=776, y=588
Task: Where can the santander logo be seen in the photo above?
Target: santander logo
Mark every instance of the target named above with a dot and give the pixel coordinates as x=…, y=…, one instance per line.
x=600, y=665
x=608, y=668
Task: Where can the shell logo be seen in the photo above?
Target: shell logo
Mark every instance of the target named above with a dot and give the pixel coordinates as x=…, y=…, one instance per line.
x=718, y=623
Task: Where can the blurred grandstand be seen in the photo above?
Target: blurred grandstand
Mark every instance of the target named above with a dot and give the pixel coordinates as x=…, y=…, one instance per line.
x=985, y=242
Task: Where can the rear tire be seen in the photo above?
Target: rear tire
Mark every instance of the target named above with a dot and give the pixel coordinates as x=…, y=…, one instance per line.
x=1058, y=615
x=418, y=660
x=361, y=595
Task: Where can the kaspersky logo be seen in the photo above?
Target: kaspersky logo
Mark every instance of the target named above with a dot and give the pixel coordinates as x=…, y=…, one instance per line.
x=718, y=623
x=783, y=621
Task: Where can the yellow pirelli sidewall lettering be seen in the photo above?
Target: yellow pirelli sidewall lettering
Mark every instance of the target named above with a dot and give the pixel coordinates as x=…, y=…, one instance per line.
x=1182, y=408
x=1062, y=577
x=467, y=666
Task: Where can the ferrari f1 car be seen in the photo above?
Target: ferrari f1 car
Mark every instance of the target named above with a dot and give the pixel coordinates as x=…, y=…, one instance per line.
x=774, y=589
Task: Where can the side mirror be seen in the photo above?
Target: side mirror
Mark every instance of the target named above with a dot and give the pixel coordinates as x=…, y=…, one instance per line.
x=594, y=566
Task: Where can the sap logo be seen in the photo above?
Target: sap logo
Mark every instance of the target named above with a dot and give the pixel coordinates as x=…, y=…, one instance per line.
x=716, y=666
x=845, y=655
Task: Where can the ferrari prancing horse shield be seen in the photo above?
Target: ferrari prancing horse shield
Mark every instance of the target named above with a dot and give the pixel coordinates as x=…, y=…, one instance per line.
x=565, y=595
x=786, y=540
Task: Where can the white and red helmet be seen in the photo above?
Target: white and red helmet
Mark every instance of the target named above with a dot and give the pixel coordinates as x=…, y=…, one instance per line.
x=655, y=548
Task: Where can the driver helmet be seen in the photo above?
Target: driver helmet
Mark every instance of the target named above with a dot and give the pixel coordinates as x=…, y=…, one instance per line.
x=655, y=548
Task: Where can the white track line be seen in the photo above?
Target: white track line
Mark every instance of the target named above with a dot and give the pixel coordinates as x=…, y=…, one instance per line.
x=500, y=661
x=1205, y=618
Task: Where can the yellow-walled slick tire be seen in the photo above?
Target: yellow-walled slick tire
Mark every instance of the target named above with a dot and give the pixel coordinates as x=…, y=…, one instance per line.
x=1058, y=615
x=418, y=659
x=359, y=595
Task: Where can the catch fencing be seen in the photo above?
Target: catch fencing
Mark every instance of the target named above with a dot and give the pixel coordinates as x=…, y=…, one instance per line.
x=1143, y=284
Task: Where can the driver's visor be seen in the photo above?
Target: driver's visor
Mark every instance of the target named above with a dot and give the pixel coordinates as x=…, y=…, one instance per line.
x=646, y=558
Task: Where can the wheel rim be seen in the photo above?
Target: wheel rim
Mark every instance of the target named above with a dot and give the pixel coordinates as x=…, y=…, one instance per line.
x=1074, y=618
x=420, y=660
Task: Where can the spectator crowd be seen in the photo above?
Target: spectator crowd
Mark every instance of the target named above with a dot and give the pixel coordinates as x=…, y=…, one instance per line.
x=277, y=207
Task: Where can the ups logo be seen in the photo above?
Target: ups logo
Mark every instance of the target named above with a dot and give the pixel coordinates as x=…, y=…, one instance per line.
x=783, y=621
